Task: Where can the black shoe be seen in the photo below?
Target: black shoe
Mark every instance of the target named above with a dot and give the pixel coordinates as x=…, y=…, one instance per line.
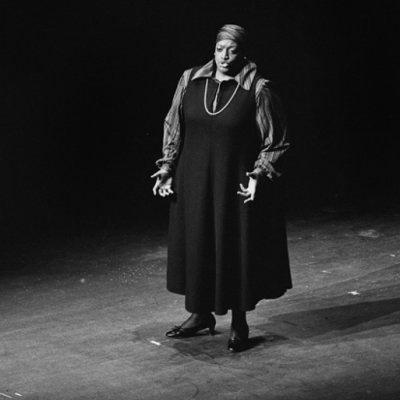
x=178, y=332
x=239, y=341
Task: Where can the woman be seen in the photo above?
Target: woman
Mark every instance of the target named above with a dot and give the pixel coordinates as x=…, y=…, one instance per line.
x=227, y=245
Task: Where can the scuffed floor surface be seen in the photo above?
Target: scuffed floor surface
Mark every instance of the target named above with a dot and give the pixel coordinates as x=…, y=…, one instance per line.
x=85, y=317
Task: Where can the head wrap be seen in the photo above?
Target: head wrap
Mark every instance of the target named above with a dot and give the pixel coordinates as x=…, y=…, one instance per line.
x=233, y=32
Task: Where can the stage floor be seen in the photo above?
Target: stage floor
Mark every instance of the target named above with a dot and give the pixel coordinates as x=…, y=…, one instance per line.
x=83, y=317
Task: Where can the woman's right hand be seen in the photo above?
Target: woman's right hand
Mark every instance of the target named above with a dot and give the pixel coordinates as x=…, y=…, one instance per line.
x=163, y=183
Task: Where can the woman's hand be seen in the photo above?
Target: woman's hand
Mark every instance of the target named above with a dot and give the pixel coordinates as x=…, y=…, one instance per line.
x=163, y=183
x=250, y=191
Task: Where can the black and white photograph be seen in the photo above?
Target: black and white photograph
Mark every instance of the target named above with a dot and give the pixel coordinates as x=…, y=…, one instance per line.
x=199, y=200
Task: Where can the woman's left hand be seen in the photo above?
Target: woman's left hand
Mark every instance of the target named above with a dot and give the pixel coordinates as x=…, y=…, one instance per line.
x=250, y=192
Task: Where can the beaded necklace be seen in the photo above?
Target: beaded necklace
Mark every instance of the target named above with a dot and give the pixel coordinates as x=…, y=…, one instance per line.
x=224, y=107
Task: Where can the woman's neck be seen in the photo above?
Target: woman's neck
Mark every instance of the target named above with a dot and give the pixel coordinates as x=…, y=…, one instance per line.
x=222, y=77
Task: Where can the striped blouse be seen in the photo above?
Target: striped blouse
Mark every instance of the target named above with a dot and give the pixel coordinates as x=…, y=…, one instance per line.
x=269, y=121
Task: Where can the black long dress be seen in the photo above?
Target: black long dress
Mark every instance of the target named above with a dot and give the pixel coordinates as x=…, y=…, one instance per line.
x=223, y=254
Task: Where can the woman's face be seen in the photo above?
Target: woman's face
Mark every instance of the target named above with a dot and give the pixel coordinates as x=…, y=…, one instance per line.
x=227, y=56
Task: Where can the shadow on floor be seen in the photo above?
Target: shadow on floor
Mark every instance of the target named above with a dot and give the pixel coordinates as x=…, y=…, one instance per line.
x=323, y=323
x=336, y=321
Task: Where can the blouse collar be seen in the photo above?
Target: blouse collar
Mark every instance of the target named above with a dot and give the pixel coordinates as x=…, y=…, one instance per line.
x=244, y=77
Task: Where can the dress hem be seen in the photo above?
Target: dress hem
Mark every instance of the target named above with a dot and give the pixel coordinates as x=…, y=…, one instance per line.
x=224, y=311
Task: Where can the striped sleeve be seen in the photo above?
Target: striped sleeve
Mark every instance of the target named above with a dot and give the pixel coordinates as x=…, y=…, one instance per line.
x=271, y=125
x=172, y=127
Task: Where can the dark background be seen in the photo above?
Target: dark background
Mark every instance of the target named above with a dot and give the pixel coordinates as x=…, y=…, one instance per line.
x=85, y=87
